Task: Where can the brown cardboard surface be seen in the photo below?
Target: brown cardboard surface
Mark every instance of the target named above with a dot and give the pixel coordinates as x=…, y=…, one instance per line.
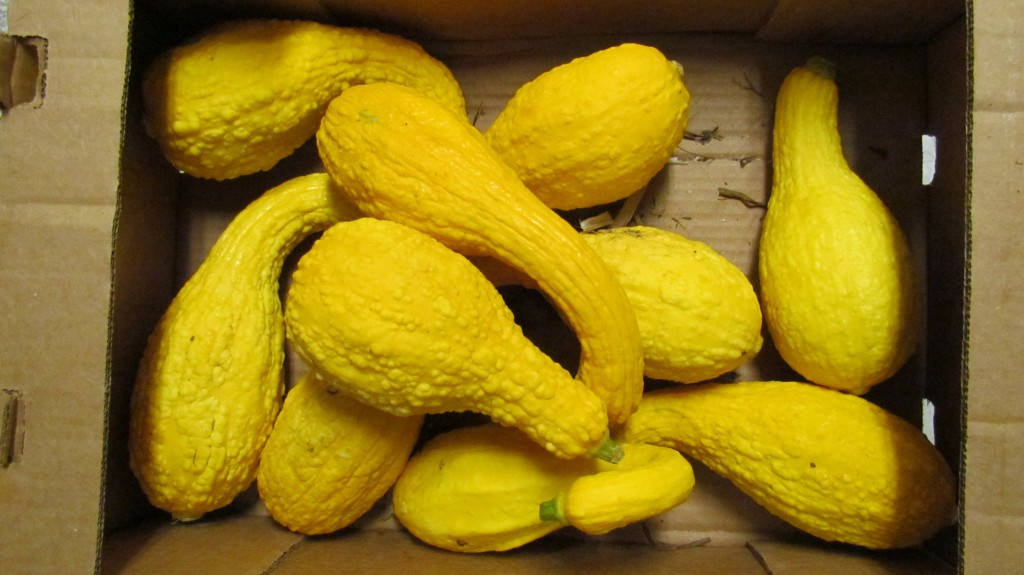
x=812, y=558
x=994, y=507
x=230, y=544
x=862, y=21
x=383, y=551
x=59, y=164
x=527, y=18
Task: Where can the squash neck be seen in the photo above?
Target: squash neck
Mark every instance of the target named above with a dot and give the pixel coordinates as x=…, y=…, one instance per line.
x=806, y=123
x=263, y=234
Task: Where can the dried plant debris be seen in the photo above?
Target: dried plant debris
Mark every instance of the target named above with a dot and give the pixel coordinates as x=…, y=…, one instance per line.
x=601, y=220
x=730, y=194
x=704, y=136
x=748, y=84
x=479, y=112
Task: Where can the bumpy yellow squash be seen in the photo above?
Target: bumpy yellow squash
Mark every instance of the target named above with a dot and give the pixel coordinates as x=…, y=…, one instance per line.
x=330, y=458
x=489, y=488
x=392, y=317
x=699, y=316
x=210, y=381
x=247, y=93
x=829, y=463
x=402, y=157
x=838, y=287
x=596, y=129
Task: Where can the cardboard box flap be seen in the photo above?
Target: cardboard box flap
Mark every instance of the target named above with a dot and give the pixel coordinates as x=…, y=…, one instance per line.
x=993, y=507
x=363, y=552
x=453, y=19
x=862, y=21
x=238, y=544
x=59, y=155
x=789, y=20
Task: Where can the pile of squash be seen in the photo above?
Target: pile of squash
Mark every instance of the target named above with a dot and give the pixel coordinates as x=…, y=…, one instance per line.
x=396, y=312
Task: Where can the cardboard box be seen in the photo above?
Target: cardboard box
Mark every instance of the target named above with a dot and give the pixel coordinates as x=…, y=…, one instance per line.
x=97, y=232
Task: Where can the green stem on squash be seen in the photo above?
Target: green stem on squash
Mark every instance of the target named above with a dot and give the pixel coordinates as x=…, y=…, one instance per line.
x=554, y=509
x=608, y=450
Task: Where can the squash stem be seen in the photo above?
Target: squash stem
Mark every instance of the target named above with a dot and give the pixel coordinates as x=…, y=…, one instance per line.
x=608, y=450
x=822, y=66
x=554, y=509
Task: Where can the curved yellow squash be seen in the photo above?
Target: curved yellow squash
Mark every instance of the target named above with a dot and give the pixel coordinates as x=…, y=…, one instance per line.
x=489, y=488
x=390, y=316
x=210, y=381
x=839, y=293
x=330, y=458
x=829, y=463
x=247, y=93
x=649, y=480
x=596, y=129
x=402, y=157
x=698, y=314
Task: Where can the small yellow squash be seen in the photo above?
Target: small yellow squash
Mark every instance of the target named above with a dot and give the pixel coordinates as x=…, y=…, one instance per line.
x=838, y=287
x=489, y=488
x=649, y=480
x=391, y=317
x=247, y=93
x=596, y=129
x=330, y=458
x=699, y=316
x=210, y=381
x=402, y=157
x=829, y=463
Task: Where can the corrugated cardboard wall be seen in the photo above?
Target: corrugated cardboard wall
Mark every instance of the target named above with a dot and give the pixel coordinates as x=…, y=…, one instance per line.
x=994, y=504
x=58, y=190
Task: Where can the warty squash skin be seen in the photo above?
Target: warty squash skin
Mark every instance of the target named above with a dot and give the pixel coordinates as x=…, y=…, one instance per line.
x=698, y=314
x=839, y=292
x=393, y=318
x=490, y=488
x=210, y=380
x=247, y=93
x=330, y=458
x=829, y=463
x=596, y=129
x=402, y=157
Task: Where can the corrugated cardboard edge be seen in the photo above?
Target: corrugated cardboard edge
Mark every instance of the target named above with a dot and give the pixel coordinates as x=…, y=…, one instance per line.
x=993, y=506
x=59, y=164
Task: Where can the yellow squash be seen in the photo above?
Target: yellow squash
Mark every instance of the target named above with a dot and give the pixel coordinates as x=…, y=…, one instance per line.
x=649, y=480
x=390, y=316
x=596, y=129
x=247, y=93
x=489, y=488
x=330, y=458
x=837, y=284
x=698, y=314
x=402, y=157
x=210, y=381
x=829, y=463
